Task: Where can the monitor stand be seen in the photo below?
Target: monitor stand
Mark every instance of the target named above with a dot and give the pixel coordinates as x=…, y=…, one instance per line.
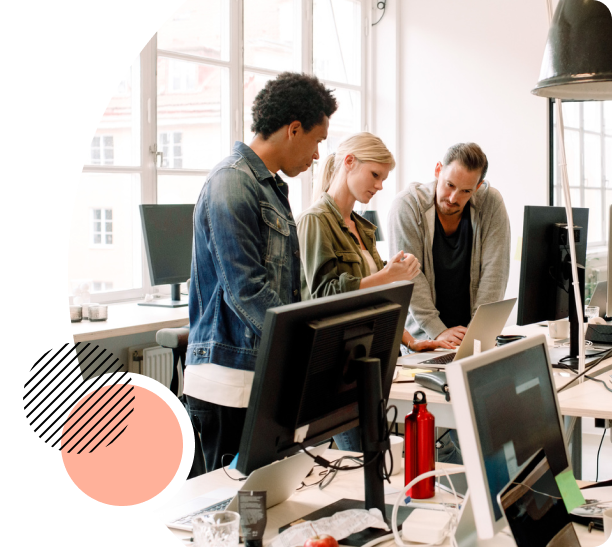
x=173, y=302
x=466, y=536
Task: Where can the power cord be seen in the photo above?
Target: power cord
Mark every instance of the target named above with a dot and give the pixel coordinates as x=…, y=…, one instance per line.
x=598, y=450
x=382, y=4
x=454, y=513
x=585, y=371
x=587, y=376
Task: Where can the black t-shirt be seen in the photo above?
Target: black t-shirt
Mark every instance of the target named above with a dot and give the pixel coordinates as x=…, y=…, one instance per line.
x=452, y=257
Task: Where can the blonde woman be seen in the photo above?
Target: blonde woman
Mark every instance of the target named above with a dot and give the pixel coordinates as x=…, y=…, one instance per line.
x=337, y=246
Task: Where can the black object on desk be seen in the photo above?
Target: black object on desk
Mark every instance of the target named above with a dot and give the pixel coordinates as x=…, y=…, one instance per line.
x=600, y=334
x=504, y=339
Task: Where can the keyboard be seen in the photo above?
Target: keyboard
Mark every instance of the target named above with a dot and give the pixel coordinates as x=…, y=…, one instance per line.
x=219, y=506
x=441, y=360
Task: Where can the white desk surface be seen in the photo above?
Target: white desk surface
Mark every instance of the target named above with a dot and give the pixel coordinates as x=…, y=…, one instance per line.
x=589, y=399
x=129, y=318
x=348, y=484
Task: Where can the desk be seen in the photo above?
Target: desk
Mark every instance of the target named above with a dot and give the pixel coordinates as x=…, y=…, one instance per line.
x=348, y=484
x=130, y=318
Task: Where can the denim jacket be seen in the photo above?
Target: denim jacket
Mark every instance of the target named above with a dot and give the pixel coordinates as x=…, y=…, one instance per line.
x=245, y=260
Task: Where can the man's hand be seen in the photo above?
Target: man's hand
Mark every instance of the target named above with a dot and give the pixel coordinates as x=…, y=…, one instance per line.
x=430, y=345
x=453, y=335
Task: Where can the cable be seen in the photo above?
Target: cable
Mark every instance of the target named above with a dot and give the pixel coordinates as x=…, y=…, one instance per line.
x=593, y=364
x=585, y=375
x=600, y=443
x=402, y=495
x=224, y=469
x=383, y=6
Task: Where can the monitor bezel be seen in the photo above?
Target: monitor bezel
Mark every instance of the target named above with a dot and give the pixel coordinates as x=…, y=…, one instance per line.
x=465, y=420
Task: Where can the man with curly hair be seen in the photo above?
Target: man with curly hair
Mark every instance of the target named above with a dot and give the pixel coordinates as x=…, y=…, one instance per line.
x=246, y=257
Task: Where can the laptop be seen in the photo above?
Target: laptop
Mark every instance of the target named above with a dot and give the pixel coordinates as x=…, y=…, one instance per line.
x=486, y=325
x=279, y=479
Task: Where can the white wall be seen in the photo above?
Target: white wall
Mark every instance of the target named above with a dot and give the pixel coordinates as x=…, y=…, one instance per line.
x=466, y=71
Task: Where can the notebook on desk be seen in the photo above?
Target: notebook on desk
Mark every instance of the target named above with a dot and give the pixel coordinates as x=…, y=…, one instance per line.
x=279, y=479
x=486, y=325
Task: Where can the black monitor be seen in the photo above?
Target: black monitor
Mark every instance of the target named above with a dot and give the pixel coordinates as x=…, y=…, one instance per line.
x=168, y=237
x=546, y=290
x=320, y=364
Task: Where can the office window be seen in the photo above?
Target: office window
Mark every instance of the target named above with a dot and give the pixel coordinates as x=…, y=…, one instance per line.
x=588, y=149
x=101, y=286
x=195, y=83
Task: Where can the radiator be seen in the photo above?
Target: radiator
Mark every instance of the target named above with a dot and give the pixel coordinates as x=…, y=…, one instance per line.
x=157, y=364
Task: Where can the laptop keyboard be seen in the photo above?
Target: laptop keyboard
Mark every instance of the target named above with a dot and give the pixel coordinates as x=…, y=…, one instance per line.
x=219, y=506
x=441, y=360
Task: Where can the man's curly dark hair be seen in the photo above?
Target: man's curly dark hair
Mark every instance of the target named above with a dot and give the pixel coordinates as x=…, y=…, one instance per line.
x=291, y=96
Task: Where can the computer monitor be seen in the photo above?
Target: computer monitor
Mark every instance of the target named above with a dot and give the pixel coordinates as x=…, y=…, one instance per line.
x=546, y=291
x=310, y=372
x=506, y=409
x=168, y=237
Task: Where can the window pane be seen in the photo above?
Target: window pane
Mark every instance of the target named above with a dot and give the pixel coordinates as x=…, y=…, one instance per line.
x=198, y=28
x=592, y=115
x=116, y=257
x=337, y=40
x=253, y=84
x=575, y=196
x=117, y=140
x=592, y=200
x=572, y=155
x=608, y=160
x=571, y=114
x=607, y=106
x=192, y=113
x=344, y=122
x=592, y=160
x=272, y=34
x=177, y=189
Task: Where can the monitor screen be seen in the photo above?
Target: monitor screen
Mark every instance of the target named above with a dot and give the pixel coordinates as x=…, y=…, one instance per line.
x=506, y=409
x=168, y=235
x=544, y=284
x=305, y=386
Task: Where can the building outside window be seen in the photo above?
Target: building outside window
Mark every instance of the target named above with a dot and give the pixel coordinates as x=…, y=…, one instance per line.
x=588, y=149
x=195, y=82
x=102, y=227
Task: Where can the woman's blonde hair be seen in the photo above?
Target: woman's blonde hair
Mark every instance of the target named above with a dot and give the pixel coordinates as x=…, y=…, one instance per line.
x=364, y=146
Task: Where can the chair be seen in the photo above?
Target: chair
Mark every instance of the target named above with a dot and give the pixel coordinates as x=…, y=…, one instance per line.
x=175, y=339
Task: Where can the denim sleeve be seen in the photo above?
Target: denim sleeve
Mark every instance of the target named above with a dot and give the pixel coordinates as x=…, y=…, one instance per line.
x=319, y=261
x=232, y=212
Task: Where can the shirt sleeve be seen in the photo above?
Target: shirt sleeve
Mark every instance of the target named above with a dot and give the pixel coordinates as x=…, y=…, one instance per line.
x=494, y=258
x=231, y=219
x=405, y=235
x=320, y=262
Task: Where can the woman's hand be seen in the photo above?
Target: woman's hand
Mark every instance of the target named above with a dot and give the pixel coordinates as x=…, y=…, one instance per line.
x=402, y=267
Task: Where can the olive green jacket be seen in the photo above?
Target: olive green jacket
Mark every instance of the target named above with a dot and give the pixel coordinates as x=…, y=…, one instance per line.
x=332, y=261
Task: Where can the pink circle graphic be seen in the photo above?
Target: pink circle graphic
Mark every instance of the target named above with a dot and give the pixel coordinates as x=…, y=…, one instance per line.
x=126, y=454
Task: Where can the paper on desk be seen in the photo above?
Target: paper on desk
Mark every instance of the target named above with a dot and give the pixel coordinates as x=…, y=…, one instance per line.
x=408, y=373
x=339, y=526
x=571, y=494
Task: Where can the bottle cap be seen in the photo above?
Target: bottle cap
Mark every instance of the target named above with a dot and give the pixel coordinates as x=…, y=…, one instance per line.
x=419, y=398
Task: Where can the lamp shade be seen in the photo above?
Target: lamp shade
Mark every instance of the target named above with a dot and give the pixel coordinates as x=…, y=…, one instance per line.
x=372, y=216
x=577, y=60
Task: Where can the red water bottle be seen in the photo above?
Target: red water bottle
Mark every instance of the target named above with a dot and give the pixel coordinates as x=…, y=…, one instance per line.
x=419, y=448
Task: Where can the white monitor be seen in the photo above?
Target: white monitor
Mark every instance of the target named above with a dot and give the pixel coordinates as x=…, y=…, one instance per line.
x=506, y=409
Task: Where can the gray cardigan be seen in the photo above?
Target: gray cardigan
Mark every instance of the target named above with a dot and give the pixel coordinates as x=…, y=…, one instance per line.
x=411, y=229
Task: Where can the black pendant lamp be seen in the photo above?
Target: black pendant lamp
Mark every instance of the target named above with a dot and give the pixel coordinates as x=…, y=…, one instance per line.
x=577, y=60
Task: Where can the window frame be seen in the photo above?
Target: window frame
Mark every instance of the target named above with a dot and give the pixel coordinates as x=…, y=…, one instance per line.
x=148, y=169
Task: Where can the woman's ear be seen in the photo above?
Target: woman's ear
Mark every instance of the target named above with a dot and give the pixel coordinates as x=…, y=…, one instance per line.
x=349, y=162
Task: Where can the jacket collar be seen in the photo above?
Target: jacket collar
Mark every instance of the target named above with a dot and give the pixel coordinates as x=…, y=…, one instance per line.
x=364, y=224
x=255, y=163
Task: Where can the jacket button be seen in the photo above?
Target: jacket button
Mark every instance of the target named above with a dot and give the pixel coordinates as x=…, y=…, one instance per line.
x=297, y=253
x=201, y=351
x=295, y=292
x=194, y=352
x=205, y=352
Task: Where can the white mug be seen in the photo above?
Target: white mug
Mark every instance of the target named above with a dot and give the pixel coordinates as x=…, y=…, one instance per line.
x=607, y=522
x=559, y=329
x=397, y=449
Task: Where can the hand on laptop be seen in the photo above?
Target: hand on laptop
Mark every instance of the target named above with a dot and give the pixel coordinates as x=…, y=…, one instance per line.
x=453, y=335
x=424, y=345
